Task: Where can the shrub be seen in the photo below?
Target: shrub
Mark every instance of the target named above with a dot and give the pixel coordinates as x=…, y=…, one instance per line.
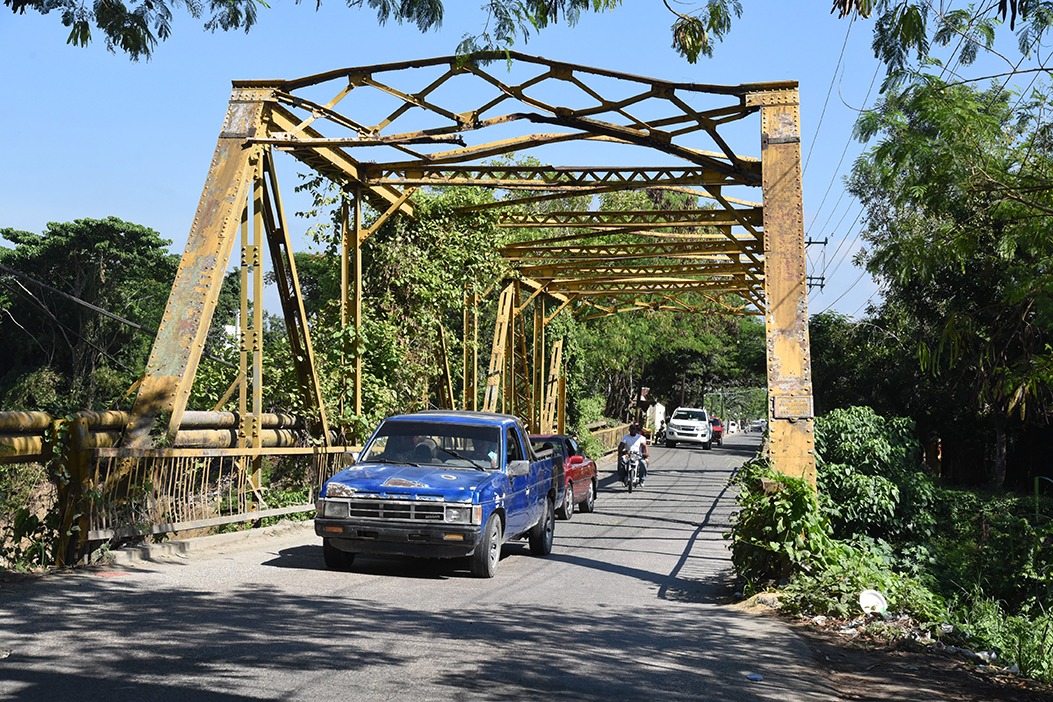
x=849, y=567
x=779, y=529
x=870, y=479
x=1025, y=641
x=993, y=543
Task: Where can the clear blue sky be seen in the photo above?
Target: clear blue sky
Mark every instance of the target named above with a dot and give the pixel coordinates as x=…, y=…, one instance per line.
x=92, y=134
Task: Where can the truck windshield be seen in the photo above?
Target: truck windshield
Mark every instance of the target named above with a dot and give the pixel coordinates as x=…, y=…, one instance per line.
x=432, y=443
x=697, y=415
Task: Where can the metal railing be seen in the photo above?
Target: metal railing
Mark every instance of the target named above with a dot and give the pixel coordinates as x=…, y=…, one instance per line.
x=609, y=438
x=124, y=493
x=136, y=492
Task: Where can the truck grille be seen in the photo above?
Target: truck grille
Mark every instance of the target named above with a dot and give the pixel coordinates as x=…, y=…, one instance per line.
x=392, y=509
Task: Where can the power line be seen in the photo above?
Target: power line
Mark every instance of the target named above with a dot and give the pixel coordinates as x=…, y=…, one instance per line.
x=847, y=290
x=844, y=151
x=846, y=239
x=829, y=92
x=96, y=308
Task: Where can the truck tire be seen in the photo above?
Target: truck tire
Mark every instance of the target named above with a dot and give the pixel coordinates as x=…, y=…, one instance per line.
x=566, y=510
x=541, y=534
x=707, y=445
x=335, y=559
x=589, y=503
x=488, y=553
x=670, y=444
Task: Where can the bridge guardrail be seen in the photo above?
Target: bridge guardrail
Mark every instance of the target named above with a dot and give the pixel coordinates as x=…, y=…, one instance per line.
x=124, y=493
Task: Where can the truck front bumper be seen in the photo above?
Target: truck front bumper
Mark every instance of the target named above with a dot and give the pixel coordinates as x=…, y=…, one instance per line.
x=421, y=540
x=686, y=436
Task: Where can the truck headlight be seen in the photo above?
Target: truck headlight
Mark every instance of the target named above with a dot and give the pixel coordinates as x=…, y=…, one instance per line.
x=458, y=514
x=334, y=509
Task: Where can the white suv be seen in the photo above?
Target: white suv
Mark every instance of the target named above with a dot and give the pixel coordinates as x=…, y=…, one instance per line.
x=689, y=426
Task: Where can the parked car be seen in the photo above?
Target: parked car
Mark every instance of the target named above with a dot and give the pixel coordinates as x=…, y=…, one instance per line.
x=718, y=430
x=689, y=425
x=440, y=484
x=580, y=478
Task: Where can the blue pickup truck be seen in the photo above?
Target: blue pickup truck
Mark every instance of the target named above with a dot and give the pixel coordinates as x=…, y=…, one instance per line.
x=440, y=484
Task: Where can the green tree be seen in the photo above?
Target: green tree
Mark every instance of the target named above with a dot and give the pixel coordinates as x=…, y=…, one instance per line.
x=957, y=194
x=902, y=28
x=61, y=348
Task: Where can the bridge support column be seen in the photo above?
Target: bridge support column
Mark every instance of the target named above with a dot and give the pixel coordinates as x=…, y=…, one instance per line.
x=790, y=407
x=180, y=339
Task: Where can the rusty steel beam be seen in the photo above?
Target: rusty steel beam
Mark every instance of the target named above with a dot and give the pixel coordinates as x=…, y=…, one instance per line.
x=180, y=339
x=537, y=177
x=630, y=287
x=637, y=219
x=608, y=252
x=555, y=271
x=333, y=162
x=790, y=411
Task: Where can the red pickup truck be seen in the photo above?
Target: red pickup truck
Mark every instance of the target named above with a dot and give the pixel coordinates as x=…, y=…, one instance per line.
x=718, y=431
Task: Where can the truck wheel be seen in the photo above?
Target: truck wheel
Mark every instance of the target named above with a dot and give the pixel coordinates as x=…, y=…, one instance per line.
x=566, y=510
x=488, y=552
x=670, y=444
x=589, y=503
x=707, y=445
x=541, y=533
x=335, y=559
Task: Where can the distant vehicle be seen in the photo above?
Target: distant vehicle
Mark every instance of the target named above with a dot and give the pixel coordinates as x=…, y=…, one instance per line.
x=689, y=425
x=579, y=472
x=733, y=427
x=718, y=430
x=759, y=426
x=440, y=484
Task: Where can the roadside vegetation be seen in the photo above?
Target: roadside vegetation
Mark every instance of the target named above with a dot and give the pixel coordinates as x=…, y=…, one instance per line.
x=967, y=567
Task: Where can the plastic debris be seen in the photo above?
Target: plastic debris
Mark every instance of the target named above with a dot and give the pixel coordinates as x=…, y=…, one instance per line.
x=873, y=602
x=755, y=677
x=947, y=628
x=819, y=620
x=987, y=656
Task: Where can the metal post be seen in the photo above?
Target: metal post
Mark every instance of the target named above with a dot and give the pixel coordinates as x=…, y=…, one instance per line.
x=356, y=308
x=790, y=409
x=345, y=294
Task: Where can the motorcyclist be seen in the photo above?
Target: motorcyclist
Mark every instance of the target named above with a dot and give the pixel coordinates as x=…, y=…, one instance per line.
x=634, y=439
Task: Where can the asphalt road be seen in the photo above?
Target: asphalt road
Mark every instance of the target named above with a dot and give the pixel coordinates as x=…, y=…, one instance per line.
x=628, y=606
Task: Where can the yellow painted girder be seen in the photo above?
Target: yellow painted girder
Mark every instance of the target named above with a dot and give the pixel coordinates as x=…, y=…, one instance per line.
x=656, y=249
x=556, y=270
x=538, y=177
x=640, y=219
x=334, y=163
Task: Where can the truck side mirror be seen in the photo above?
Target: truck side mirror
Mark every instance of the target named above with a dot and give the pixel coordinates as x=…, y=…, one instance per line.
x=517, y=468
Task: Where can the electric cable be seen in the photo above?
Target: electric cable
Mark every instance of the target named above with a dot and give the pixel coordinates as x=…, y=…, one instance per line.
x=96, y=308
x=829, y=92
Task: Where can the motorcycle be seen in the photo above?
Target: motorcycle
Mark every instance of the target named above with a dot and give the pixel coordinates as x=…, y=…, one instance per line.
x=659, y=436
x=631, y=469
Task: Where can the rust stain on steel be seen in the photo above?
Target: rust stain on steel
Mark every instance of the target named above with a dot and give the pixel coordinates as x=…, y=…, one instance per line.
x=188, y=315
x=785, y=285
